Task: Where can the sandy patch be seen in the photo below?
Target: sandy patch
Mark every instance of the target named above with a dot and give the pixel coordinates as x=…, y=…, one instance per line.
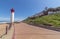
x=9, y=35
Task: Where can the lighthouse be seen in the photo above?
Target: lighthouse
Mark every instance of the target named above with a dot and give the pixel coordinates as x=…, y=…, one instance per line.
x=11, y=21
x=12, y=16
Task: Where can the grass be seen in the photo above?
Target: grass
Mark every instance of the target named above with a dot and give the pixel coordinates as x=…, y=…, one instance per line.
x=53, y=19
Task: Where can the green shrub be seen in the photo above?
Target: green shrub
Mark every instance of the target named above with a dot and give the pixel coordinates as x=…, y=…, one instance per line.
x=53, y=19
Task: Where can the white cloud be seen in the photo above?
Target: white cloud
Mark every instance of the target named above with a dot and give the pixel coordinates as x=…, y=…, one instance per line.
x=8, y=19
x=19, y=19
x=4, y=19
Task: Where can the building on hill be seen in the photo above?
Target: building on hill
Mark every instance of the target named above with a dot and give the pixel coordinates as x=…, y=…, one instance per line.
x=46, y=11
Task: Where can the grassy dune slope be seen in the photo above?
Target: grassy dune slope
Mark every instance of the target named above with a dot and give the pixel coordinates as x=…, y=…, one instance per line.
x=53, y=19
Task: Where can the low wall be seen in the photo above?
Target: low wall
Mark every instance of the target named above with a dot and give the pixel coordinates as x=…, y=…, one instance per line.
x=3, y=34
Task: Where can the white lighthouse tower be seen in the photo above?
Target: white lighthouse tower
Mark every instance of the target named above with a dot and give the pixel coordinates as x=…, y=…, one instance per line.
x=12, y=16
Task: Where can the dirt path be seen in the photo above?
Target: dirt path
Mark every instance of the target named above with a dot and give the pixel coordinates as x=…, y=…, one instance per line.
x=25, y=31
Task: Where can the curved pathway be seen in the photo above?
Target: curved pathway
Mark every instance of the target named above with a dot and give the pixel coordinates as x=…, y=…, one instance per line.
x=25, y=31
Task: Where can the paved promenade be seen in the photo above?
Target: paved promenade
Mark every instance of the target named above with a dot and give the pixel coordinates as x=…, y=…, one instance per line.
x=25, y=31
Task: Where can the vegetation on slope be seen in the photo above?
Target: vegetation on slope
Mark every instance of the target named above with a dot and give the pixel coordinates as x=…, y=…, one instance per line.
x=53, y=19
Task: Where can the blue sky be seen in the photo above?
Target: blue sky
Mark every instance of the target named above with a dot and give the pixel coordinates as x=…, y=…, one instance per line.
x=24, y=8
